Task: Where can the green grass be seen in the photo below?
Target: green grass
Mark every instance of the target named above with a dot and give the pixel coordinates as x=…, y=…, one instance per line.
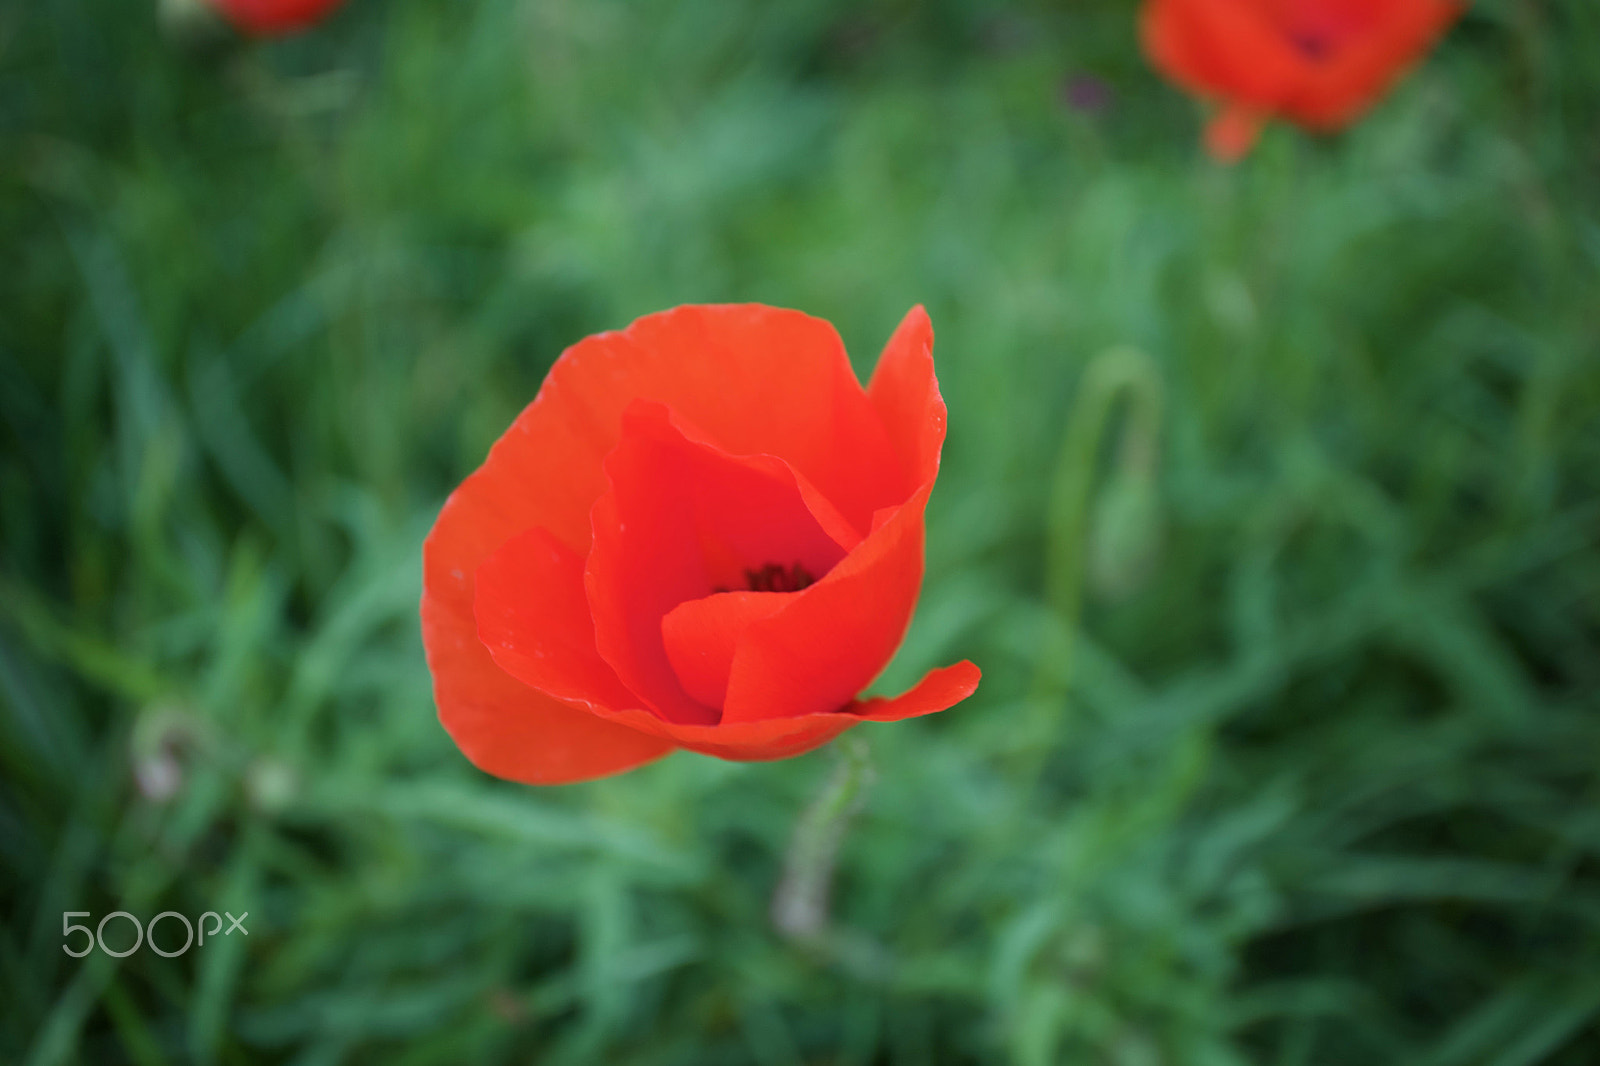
x=1289, y=754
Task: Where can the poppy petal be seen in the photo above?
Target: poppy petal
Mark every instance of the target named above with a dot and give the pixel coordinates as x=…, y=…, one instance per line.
x=1333, y=95
x=754, y=379
x=1232, y=133
x=701, y=520
x=702, y=635
x=270, y=17
x=839, y=529
x=939, y=690
x=504, y=727
x=533, y=617
x=905, y=394
x=836, y=636
x=772, y=738
x=760, y=380
x=1318, y=63
x=1225, y=51
x=781, y=738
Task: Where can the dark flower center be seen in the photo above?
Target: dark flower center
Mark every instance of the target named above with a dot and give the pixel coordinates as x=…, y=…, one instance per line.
x=1311, y=45
x=1322, y=29
x=775, y=577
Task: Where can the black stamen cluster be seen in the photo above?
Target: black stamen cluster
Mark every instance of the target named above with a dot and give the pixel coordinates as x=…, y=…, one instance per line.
x=776, y=578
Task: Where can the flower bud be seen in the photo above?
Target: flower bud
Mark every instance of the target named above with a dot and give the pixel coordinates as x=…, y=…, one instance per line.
x=1125, y=534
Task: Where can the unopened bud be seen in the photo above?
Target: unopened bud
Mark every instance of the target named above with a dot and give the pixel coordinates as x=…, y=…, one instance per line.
x=165, y=737
x=270, y=785
x=1125, y=534
x=159, y=776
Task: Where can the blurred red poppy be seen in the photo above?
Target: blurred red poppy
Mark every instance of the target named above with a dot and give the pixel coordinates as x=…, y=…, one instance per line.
x=703, y=533
x=1319, y=63
x=270, y=18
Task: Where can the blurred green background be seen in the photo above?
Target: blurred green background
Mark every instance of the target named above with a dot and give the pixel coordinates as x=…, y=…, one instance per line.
x=1269, y=509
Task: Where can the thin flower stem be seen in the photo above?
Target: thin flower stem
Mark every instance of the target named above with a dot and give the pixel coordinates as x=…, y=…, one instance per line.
x=1115, y=374
x=800, y=904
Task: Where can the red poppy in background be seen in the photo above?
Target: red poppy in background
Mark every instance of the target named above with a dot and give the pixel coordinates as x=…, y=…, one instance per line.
x=1319, y=63
x=270, y=18
x=703, y=533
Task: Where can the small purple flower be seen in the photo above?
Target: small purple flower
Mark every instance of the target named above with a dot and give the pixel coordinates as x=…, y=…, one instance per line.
x=1087, y=94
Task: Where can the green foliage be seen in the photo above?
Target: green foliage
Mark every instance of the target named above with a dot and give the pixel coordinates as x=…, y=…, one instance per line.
x=1316, y=780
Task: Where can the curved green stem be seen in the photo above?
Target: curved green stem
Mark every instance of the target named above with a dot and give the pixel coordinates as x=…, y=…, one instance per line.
x=1117, y=373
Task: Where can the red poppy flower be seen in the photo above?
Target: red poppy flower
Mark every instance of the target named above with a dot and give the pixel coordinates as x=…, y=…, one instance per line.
x=703, y=533
x=270, y=18
x=1319, y=63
